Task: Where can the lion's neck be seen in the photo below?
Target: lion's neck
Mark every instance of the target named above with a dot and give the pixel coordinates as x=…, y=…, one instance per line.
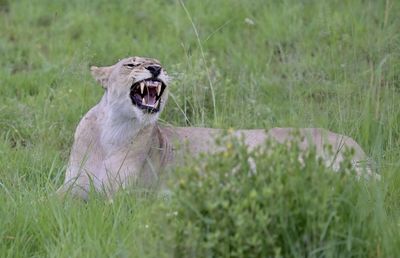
x=118, y=132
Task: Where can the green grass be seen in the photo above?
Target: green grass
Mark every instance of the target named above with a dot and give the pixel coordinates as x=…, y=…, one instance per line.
x=332, y=64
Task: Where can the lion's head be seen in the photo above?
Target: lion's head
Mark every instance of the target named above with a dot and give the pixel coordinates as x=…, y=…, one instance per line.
x=136, y=87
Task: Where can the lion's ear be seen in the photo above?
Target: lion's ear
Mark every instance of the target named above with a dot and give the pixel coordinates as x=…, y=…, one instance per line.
x=101, y=74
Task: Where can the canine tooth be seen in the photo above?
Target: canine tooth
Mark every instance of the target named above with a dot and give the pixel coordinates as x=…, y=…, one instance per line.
x=158, y=90
x=156, y=104
x=141, y=87
x=144, y=101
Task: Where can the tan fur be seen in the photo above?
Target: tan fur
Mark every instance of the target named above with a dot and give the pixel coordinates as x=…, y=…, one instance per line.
x=117, y=144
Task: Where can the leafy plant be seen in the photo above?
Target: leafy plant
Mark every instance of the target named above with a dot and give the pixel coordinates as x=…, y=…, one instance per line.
x=267, y=202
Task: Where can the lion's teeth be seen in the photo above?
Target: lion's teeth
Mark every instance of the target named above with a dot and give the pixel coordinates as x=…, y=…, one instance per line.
x=141, y=87
x=144, y=101
x=158, y=90
x=156, y=104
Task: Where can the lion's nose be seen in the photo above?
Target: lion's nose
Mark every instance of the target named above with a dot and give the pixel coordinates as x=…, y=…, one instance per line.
x=154, y=70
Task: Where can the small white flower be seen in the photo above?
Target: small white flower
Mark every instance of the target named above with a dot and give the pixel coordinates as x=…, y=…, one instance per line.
x=249, y=21
x=253, y=166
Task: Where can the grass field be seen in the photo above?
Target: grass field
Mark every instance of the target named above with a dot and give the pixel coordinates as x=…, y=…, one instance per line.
x=242, y=64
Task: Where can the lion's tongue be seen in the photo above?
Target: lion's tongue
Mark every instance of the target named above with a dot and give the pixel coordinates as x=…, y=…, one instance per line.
x=150, y=101
x=151, y=97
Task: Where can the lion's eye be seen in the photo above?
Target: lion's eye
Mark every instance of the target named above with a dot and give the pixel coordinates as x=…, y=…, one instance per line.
x=130, y=65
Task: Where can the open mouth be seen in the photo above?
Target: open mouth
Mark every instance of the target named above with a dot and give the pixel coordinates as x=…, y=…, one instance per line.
x=146, y=94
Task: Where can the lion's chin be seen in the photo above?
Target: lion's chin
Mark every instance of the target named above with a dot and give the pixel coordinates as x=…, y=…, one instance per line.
x=146, y=94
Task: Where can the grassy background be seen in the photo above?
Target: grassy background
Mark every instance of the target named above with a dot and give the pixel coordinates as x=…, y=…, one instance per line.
x=331, y=64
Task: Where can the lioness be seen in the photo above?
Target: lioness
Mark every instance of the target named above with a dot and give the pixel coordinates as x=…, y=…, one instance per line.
x=119, y=142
